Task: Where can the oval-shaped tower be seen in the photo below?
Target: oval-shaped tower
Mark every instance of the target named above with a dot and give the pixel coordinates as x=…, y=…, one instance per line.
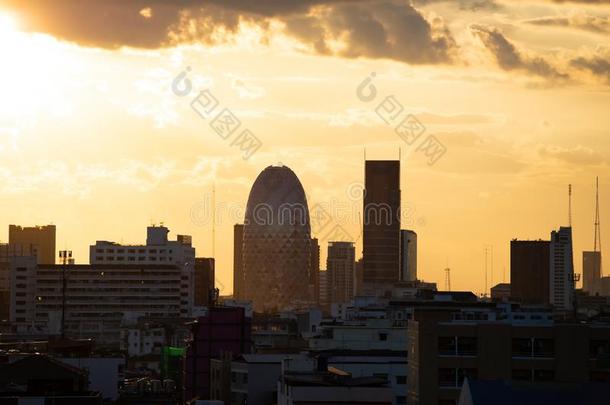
x=276, y=241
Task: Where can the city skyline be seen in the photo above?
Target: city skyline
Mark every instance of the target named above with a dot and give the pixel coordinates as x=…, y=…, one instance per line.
x=119, y=143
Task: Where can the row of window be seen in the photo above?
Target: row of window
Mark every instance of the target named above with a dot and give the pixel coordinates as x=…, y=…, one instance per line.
x=98, y=250
x=521, y=347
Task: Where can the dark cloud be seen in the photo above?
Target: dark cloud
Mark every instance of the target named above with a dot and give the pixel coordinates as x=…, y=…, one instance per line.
x=389, y=29
x=597, y=65
x=510, y=58
x=583, y=22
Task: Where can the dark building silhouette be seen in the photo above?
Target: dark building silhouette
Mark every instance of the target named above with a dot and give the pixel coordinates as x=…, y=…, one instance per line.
x=238, y=264
x=36, y=241
x=408, y=255
x=382, y=222
x=277, y=241
x=205, y=274
x=591, y=269
x=222, y=330
x=314, y=271
x=530, y=271
x=340, y=265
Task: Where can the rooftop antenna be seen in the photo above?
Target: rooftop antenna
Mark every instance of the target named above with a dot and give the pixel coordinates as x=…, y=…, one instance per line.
x=447, y=279
x=597, y=242
x=485, y=290
x=214, y=220
x=570, y=205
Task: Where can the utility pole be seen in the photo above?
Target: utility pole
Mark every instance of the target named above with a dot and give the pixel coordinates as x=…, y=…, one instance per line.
x=66, y=257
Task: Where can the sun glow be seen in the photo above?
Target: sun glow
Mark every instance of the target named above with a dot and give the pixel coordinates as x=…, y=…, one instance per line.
x=8, y=24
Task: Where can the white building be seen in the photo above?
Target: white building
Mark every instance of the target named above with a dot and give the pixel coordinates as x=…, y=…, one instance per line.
x=158, y=250
x=98, y=298
x=562, y=270
x=372, y=334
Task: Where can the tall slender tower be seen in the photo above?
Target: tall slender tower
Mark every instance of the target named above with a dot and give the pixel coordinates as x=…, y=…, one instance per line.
x=592, y=260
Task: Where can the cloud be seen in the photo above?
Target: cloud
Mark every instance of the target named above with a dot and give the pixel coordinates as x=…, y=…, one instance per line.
x=583, y=22
x=358, y=28
x=597, y=65
x=510, y=58
x=578, y=155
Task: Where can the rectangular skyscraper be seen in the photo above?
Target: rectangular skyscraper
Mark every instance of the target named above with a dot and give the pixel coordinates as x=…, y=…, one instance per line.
x=340, y=265
x=529, y=271
x=381, y=237
x=314, y=271
x=205, y=274
x=591, y=269
x=37, y=240
x=561, y=283
x=238, y=267
x=408, y=255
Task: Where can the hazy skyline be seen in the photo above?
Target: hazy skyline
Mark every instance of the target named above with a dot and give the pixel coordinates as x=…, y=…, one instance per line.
x=93, y=139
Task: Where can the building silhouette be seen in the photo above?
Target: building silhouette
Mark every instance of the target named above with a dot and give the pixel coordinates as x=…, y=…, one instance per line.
x=561, y=287
x=205, y=274
x=591, y=269
x=314, y=271
x=277, y=241
x=381, y=237
x=238, y=266
x=530, y=271
x=340, y=265
x=36, y=241
x=408, y=255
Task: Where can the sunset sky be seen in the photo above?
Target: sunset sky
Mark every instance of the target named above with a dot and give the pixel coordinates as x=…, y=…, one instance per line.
x=94, y=140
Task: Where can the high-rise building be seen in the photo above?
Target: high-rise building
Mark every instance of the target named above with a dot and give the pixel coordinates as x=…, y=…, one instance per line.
x=277, y=241
x=591, y=269
x=530, y=271
x=561, y=282
x=314, y=271
x=323, y=288
x=158, y=250
x=381, y=235
x=408, y=255
x=205, y=273
x=238, y=264
x=38, y=241
x=340, y=264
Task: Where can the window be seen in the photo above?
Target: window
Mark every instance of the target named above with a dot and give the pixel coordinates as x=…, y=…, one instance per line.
x=544, y=375
x=598, y=348
x=446, y=377
x=544, y=348
x=522, y=375
x=446, y=346
x=383, y=336
x=463, y=373
x=522, y=347
x=467, y=346
x=401, y=379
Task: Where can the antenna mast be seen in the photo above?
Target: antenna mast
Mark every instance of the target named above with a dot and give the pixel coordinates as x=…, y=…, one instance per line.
x=570, y=205
x=597, y=243
x=447, y=279
x=213, y=220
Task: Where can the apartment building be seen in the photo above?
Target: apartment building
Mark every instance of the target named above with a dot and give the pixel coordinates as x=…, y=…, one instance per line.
x=98, y=298
x=158, y=250
x=443, y=352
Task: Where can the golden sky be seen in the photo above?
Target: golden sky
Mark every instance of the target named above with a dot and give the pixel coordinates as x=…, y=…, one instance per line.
x=94, y=140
